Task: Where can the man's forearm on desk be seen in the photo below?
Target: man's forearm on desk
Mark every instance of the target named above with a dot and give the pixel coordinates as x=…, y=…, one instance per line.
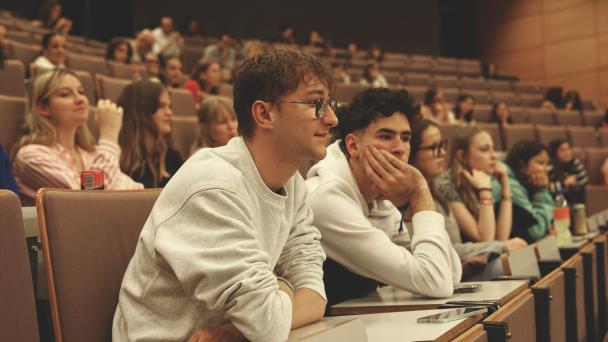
x=308, y=307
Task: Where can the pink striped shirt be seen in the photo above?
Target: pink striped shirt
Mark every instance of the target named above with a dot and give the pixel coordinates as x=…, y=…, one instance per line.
x=38, y=166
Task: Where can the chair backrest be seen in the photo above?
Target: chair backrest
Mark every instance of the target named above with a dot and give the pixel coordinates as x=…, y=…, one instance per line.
x=582, y=136
x=88, y=84
x=226, y=90
x=541, y=117
x=185, y=131
x=521, y=263
x=190, y=57
x=595, y=159
x=346, y=92
x=182, y=102
x=88, y=239
x=595, y=198
x=592, y=118
x=109, y=87
x=123, y=71
x=516, y=132
x=26, y=53
x=546, y=134
x=569, y=117
x=94, y=65
x=13, y=78
x=12, y=112
x=17, y=303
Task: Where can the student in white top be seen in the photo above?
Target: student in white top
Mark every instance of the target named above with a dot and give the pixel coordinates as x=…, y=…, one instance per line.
x=359, y=194
x=167, y=41
x=229, y=251
x=53, y=53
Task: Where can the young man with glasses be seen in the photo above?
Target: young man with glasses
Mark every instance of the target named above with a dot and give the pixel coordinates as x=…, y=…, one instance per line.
x=229, y=251
x=359, y=194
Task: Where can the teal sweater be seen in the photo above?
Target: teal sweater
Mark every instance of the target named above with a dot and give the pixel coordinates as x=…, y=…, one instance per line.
x=539, y=207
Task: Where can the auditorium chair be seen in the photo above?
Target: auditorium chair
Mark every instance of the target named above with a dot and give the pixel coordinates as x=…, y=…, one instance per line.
x=12, y=112
x=194, y=42
x=417, y=79
x=568, y=117
x=185, y=131
x=515, y=321
x=109, y=87
x=521, y=262
x=592, y=118
x=190, y=57
x=516, y=132
x=494, y=131
x=500, y=85
x=450, y=94
x=482, y=112
x=17, y=302
x=22, y=37
x=393, y=77
x=345, y=93
x=391, y=65
x=603, y=135
x=481, y=96
x=549, y=296
x=394, y=56
x=445, y=69
x=418, y=66
x=540, y=116
x=508, y=97
x=446, y=81
x=474, y=334
x=582, y=136
x=226, y=89
x=518, y=114
x=595, y=159
x=526, y=88
x=124, y=71
x=182, y=102
x=473, y=83
x=13, y=78
x=88, y=239
x=26, y=53
x=531, y=100
x=88, y=84
x=545, y=134
x=94, y=65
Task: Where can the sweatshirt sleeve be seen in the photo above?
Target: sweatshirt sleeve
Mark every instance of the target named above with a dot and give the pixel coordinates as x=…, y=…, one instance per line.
x=350, y=239
x=223, y=265
x=301, y=261
x=106, y=159
x=36, y=166
x=540, y=207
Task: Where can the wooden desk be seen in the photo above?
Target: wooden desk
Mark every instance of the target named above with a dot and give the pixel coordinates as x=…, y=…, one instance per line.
x=589, y=255
x=602, y=269
x=549, y=295
x=389, y=299
x=393, y=326
x=514, y=322
x=575, y=299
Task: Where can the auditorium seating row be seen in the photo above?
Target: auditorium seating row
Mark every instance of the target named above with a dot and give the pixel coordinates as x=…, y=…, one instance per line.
x=88, y=238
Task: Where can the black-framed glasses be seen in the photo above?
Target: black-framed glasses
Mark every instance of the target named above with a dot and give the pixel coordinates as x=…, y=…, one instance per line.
x=436, y=148
x=320, y=105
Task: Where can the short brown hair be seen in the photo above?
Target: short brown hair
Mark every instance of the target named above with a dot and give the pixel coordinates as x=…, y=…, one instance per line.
x=269, y=75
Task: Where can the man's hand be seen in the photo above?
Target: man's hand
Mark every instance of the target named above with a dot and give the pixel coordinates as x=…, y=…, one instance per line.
x=222, y=333
x=397, y=181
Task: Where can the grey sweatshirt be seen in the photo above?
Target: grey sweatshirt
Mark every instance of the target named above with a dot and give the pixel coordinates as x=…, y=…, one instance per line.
x=211, y=250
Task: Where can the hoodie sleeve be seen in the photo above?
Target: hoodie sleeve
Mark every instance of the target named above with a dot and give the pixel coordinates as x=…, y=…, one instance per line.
x=350, y=239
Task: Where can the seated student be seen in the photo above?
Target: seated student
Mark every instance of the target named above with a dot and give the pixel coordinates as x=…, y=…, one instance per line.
x=53, y=53
x=435, y=108
x=572, y=100
x=50, y=17
x=168, y=42
x=147, y=153
x=231, y=235
x=206, y=79
x=59, y=144
x=223, y=52
x=217, y=123
x=427, y=154
x=358, y=195
x=372, y=77
x=340, y=73
x=141, y=45
x=500, y=114
x=463, y=110
x=119, y=51
x=376, y=54
x=466, y=187
x=170, y=73
x=151, y=68
x=527, y=163
x=7, y=181
x=567, y=174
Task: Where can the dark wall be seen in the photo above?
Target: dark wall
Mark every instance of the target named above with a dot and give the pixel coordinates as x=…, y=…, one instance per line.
x=411, y=26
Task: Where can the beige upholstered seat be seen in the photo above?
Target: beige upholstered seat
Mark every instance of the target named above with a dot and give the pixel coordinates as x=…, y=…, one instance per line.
x=13, y=78
x=17, y=304
x=88, y=239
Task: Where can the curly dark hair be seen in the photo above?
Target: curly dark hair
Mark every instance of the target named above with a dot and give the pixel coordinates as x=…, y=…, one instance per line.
x=271, y=74
x=519, y=155
x=371, y=104
x=114, y=44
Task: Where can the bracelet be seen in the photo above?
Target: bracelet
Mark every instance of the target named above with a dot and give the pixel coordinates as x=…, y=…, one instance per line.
x=507, y=197
x=486, y=200
x=478, y=190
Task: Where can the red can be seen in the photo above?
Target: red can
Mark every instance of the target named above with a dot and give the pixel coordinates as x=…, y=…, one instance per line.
x=91, y=180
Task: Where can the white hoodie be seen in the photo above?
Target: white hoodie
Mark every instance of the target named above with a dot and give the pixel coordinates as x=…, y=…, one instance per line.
x=359, y=238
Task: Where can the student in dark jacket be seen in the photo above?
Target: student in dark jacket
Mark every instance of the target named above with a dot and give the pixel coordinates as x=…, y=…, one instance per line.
x=7, y=181
x=567, y=174
x=145, y=139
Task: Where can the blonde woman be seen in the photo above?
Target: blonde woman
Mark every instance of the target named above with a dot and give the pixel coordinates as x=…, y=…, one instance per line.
x=59, y=144
x=217, y=123
x=466, y=187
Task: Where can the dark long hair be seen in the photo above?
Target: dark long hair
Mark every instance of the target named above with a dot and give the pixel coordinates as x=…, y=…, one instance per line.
x=202, y=67
x=468, y=117
x=519, y=155
x=114, y=44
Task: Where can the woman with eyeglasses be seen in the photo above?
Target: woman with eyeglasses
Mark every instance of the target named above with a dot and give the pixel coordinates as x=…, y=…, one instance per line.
x=466, y=187
x=427, y=154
